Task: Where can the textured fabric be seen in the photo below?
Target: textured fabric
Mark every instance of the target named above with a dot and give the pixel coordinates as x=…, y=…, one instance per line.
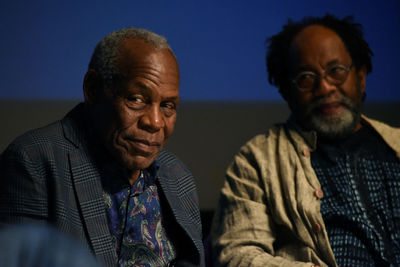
x=360, y=178
x=135, y=222
x=269, y=207
x=51, y=175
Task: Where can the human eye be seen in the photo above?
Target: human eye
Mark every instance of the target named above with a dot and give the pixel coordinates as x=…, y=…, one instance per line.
x=337, y=72
x=169, y=108
x=135, y=101
x=305, y=80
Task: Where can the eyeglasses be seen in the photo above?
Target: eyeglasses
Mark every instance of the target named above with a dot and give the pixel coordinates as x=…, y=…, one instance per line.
x=335, y=74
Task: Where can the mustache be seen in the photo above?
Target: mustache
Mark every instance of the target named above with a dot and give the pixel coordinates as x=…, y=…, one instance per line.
x=335, y=97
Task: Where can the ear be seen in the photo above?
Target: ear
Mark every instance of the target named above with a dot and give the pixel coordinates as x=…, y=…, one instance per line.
x=362, y=76
x=92, y=86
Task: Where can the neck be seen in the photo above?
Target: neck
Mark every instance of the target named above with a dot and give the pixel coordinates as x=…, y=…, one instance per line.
x=133, y=176
x=358, y=127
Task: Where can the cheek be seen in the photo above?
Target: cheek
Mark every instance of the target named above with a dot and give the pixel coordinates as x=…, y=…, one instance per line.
x=107, y=128
x=169, y=127
x=126, y=119
x=299, y=101
x=118, y=129
x=353, y=87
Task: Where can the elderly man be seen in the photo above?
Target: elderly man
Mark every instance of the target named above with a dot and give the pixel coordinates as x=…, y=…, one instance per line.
x=322, y=189
x=101, y=174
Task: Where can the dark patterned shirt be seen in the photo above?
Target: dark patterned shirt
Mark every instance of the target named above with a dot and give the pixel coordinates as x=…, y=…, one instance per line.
x=360, y=178
x=135, y=221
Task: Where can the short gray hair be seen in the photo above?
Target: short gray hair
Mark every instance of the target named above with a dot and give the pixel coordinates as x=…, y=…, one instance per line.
x=104, y=58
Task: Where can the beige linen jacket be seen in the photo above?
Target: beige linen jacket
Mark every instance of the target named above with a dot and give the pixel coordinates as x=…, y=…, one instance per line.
x=269, y=207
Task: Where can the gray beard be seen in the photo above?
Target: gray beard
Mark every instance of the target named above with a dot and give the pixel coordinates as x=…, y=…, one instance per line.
x=335, y=126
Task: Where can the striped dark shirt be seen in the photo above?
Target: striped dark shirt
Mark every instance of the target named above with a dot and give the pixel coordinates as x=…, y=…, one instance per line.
x=360, y=178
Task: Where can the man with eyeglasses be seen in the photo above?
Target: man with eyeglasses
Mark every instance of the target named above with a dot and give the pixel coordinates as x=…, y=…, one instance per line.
x=322, y=189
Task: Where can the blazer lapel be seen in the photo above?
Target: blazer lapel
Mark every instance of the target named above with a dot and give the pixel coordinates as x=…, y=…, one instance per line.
x=87, y=185
x=88, y=190
x=172, y=191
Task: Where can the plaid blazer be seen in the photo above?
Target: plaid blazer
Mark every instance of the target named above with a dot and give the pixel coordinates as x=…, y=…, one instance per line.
x=50, y=175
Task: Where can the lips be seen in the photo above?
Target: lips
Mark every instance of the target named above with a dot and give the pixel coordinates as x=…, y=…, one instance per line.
x=329, y=108
x=146, y=142
x=144, y=146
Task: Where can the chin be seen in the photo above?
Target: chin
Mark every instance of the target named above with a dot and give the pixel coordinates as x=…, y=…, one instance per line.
x=336, y=126
x=137, y=162
x=132, y=159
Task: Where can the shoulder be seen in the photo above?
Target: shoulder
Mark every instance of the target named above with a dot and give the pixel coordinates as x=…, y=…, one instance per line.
x=167, y=158
x=262, y=142
x=36, y=154
x=174, y=176
x=259, y=156
x=26, y=164
x=46, y=140
x=36, y=140
x=45, y=143
x=390, y=134
x=380, y=126
x=170, y=164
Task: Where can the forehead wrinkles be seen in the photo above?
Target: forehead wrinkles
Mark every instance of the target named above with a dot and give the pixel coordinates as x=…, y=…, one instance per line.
x=147, y=71
x=152, y=68
x=142, y=62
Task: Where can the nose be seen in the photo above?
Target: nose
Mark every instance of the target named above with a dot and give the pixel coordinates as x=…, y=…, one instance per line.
x=324, y=87
x=152, y=120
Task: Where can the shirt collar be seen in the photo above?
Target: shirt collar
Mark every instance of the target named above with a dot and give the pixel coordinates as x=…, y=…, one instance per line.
x=114, y=177
x=153, y=168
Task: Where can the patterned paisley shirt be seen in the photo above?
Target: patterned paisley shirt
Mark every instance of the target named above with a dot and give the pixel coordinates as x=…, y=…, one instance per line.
x=135, y=221
x=360, y=178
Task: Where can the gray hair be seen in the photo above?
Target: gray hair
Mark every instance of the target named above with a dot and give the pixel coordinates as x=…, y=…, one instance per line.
x=104, y=58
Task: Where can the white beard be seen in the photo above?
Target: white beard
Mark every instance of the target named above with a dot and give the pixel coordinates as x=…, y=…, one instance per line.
x=335, y=126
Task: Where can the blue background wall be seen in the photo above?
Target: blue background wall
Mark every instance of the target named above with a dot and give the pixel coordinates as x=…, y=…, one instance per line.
x=46, y=45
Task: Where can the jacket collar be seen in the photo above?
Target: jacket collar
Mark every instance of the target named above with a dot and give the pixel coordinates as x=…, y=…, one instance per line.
x=87, y=185
x=74, y=126
x=170, y=177
x=389, y=134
